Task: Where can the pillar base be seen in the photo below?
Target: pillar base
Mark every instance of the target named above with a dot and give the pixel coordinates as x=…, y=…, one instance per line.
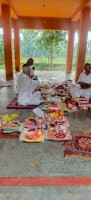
x=9, y=77
x=68, y=76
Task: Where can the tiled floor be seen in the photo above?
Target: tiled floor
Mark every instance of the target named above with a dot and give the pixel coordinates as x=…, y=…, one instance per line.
x=18, y=159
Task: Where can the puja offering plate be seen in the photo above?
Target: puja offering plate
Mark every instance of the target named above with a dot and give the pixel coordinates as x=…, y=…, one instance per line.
x=60, y=135
x=31, y=135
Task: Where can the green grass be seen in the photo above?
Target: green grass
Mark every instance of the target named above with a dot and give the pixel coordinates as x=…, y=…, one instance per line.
x=41, y=63
x=2, y=66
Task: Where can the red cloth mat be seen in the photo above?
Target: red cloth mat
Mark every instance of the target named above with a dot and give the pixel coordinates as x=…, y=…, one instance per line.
x=80, y=145
x=9, y=135
x=14, y=105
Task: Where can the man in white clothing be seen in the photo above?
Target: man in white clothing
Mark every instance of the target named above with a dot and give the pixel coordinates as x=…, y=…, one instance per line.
x=84, y=82
x=27, y=88
x=30, y=63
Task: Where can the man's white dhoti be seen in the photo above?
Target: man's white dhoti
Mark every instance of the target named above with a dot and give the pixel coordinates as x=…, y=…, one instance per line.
x=26, y=88
x=81, y=92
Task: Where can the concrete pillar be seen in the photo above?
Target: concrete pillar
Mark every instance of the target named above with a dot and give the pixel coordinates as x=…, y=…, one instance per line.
x=83, y=33
x=16, y=45
x=70, y=50
x=7, y=35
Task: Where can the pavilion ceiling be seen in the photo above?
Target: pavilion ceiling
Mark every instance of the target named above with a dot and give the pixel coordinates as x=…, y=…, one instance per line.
x=69, y=9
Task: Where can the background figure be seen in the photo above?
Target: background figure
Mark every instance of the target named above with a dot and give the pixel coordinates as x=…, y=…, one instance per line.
x=27, y=88
x=84, y=82
x=84, y=79
x=30, y=63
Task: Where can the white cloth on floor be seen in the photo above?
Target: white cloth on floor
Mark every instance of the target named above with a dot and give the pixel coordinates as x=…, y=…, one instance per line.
x=81, y=92
x=26, y=88
x=38, y=112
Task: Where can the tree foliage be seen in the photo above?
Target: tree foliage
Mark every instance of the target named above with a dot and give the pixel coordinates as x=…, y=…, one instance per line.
x=52, y=38
x=28, y=43
x=89, y=47
x=41, y=42
x=52, y=42
x=1, y=49
x=49, y=45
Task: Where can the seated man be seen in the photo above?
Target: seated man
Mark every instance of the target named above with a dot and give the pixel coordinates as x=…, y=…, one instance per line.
x=27, y=88
x=84, y=82
x=30, y=63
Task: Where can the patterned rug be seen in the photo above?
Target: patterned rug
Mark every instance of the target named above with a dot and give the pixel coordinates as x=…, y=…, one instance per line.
x=14, y=105
x=80, y=145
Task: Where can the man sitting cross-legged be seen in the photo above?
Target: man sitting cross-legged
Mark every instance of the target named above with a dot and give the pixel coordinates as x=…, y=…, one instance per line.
x=27, y=88
x=84, y=82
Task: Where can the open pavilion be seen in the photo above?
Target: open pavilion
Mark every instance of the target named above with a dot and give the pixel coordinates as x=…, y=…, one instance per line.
x=26, y=168
x=64, y=15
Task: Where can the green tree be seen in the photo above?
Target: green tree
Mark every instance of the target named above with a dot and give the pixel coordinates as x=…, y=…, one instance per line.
x=89, y=47
x=28, y=43
x=1, y=49
x=52, y=41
